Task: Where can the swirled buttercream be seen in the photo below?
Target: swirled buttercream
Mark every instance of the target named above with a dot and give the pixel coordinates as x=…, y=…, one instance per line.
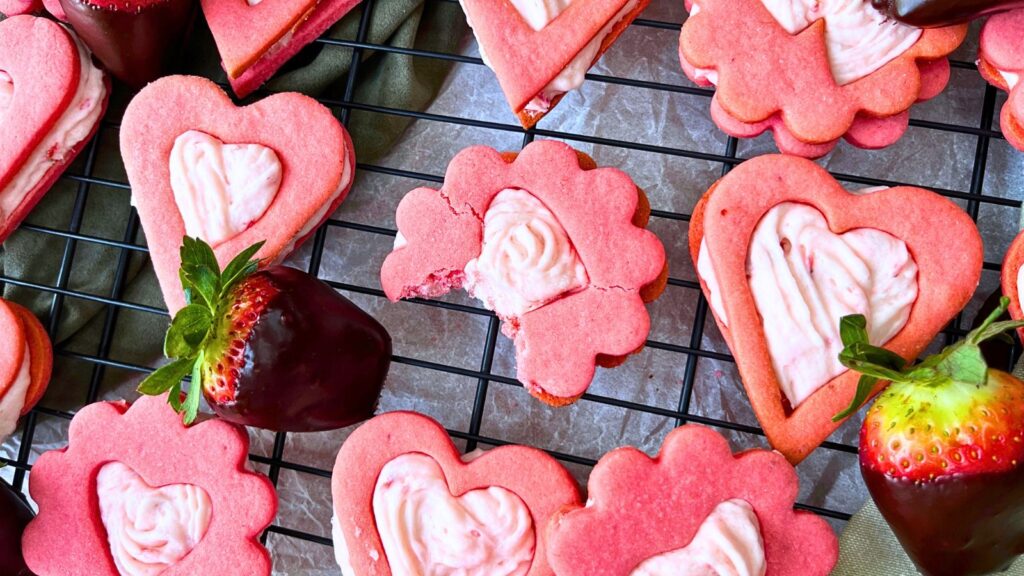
x=859, y=38
x=728, y=543
x=804, y=278
x=426, y=530
x=221, y=189
x=149, y=529
x=527, y=258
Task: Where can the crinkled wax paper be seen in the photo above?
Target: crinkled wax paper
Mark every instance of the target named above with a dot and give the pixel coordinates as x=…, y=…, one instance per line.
x=644, y=116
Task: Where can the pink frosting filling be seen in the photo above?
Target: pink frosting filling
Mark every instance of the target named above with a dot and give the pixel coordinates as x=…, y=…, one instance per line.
x=149, y=529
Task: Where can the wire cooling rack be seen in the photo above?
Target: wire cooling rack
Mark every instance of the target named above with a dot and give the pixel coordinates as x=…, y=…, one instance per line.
x=974, y=198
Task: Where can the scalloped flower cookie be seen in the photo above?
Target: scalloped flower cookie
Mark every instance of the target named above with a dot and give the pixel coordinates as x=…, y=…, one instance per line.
x=695, y=509
x=554, y=245
x=136, y=493
x=813, y=72
x=1001, y=62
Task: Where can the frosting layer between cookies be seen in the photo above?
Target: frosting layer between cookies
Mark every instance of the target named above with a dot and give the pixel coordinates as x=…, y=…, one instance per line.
x=859, y=39
x=13, y=401
x=538, y=13
x=728, y=543
x=426, y=530
x=527, y=258
x=804, y=278
x=74, y=125
x=149, y=529
x=221, y=189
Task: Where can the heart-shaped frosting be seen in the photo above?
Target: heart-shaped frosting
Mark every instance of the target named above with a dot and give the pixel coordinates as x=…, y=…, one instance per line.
x=728, y=543
x=527, y=258
x=149, y=529
x=406, y=502
x=727, y=221
x=859, y=38
x=221, y=189
x=426, y=530
x=804, y=277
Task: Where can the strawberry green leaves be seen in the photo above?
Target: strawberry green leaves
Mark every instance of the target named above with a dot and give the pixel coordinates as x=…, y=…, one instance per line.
x=961, y=362
x=206, y=291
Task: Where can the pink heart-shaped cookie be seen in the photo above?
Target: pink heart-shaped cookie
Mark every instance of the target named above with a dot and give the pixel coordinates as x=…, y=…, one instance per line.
x=51, y=101
x=401, y=493
x=1001, y=62
x=314, y=151
x=525, y=60
x=265, y=23
x=76, y=534
x=696, y=502
x=945, y=247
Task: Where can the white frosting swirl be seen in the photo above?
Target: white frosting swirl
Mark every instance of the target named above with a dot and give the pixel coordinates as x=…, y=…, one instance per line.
x=527, y=259
x=538, y=14
x=13, y=401
x=859, y=38
x=1011, y=78
x=427, y=531
x=728, y=543
x=72, y=127
x=804, y=278
x=222, y=189
x=149, y=529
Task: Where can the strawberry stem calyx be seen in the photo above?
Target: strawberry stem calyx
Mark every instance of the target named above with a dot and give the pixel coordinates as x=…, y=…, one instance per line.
x=207, y=294
x=959, y=362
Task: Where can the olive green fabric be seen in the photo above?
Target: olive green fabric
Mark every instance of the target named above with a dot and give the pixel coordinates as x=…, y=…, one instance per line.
x=869, y=548
x=320, y=70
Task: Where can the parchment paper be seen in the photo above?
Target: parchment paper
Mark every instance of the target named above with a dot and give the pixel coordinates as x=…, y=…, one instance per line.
x=924, y=157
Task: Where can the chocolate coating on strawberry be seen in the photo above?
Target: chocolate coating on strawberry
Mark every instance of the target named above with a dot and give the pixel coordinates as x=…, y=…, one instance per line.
x=136, y=40
x=937, y=13
x=942, y=451
x=312, y=360
x=274, y=348
x=15, y=514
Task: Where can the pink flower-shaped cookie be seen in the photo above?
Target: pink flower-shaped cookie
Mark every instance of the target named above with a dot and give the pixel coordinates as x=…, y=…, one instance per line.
x=1001, y=62
x=694, y=509
x=137, y=493
x=556, y=247
x=813, y=72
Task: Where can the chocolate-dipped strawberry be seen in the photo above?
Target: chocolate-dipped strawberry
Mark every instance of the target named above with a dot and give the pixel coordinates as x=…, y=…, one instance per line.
x=14, y=516
x=273, y=348
x=937, y=13
x=136, y=40
x=942, y=450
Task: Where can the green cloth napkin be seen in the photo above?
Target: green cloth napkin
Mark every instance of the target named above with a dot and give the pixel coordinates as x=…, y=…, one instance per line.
x=869, y=548
x=320, y=70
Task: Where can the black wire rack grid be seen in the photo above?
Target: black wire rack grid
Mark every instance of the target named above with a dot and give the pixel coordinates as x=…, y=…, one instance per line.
x=114, y=302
